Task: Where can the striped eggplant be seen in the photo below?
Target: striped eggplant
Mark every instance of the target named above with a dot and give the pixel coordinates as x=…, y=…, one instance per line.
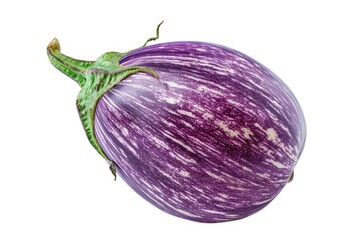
x=199, y=130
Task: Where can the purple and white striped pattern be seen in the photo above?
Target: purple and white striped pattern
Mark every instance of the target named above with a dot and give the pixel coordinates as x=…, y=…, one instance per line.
x=215, y=139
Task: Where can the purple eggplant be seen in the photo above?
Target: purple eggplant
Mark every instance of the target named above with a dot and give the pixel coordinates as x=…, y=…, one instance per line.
x=199, y=130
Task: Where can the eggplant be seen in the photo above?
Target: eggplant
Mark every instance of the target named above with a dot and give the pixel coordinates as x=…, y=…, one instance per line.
x=200, y=130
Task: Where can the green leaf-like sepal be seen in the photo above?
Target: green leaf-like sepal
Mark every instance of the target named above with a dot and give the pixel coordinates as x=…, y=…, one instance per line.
x=98, y=82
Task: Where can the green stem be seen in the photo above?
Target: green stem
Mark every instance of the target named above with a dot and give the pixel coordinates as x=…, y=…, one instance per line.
x=71, y=67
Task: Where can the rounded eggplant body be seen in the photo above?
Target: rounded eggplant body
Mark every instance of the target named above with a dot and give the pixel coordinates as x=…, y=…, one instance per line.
x=214, y=139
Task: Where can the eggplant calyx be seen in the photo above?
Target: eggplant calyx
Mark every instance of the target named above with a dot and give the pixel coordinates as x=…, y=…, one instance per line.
x=98, y=82
x=157, y=34
x=95, y=79
x=149, y=39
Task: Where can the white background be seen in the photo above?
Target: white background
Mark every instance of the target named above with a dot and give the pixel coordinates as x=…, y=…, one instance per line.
x=53, y=184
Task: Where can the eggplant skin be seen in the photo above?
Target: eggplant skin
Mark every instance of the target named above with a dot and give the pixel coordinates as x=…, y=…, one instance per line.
x=215, y=139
